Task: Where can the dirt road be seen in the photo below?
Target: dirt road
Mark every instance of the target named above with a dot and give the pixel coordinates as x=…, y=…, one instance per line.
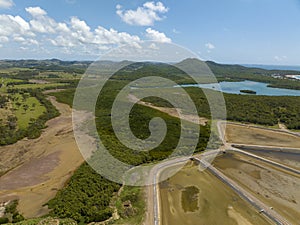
x=34, y=170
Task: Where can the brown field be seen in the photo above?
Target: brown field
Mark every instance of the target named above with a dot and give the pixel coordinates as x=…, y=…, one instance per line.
x=193, y=197
x=243, y=134
x=34, y=170
x=288, y=158
x=274, y=187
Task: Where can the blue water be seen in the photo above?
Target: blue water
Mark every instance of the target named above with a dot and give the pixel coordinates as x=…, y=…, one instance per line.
x=235, y=87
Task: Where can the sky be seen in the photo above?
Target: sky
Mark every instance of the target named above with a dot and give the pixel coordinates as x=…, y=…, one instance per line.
x=225, y=31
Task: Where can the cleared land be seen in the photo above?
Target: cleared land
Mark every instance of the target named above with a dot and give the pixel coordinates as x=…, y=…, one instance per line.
x=272, y=186
x=36, y=169
x=172, y=112
x=243, y=134
x=291, y=159
x=193, y=197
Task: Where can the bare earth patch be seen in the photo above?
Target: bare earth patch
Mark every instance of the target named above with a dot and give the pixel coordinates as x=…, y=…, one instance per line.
x=34, y=170
x=272, y=186
x=173, y=112
x=216, y=202
x=244, y=134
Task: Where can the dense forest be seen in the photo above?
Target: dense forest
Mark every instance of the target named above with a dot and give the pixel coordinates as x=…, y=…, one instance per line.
x=86, y=198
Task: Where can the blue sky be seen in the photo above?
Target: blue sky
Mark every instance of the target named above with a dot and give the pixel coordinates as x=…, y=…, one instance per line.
x=226, y=31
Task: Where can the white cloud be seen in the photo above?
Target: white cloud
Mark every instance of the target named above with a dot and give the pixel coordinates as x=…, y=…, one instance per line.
x=36, y=11
x=210, y=46
x=280, y=58
x=42, y=23
x=44, y=35
x=175, y=31
x=6, y=4
x=14, y=25
x=143, y=16
x=3, y=39
x=71, y=1
x=19, y=39
x=155, y=35
x=78, y=34
x=153, y=46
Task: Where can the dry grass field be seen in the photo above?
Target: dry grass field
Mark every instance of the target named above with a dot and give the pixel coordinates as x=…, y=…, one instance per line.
x=272, y=186
x=243, y=134
x=192, y=197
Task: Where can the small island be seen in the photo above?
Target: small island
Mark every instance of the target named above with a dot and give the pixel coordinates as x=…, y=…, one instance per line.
x=248, y=92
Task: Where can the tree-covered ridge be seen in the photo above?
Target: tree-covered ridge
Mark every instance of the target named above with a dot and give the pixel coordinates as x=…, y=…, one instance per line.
x=240, y=73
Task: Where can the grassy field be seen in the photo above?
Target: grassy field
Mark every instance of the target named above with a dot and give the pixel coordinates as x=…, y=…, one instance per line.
x=24, y=109
x=41, y=86
x=5, y=81
x=13, y=70
x=35, y=109
x=272, y=186
x=58, y=75
x=257, y=136
x=212, y=201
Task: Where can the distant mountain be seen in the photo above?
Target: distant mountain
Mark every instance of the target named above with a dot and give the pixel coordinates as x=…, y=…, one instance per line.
x=225, y=72
x=43, y=63
x=229, y=70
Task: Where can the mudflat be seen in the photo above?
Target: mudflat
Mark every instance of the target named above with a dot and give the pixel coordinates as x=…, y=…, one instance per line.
x=271, y=185
x=34, y=170
x=194, y=197
x=244, y=134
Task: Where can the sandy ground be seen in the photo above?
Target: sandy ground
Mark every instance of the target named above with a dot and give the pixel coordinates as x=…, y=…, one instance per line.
x=272, y=186
x=217, y=203
x=173, y=112
x=244, y=134
x=34, y=170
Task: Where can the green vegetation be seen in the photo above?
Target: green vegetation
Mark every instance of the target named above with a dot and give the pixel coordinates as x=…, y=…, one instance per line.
x=189, y=199
x=27, y=109
x=24, y=110
x=248, y=92
x=30, y=111
x=265, y=110
x=47, y=221
x=133, y=215
x=6, y=83
x=39, y=86
x=65, y=96
x=11, y=213
x=86, y=198
x=240, y=73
